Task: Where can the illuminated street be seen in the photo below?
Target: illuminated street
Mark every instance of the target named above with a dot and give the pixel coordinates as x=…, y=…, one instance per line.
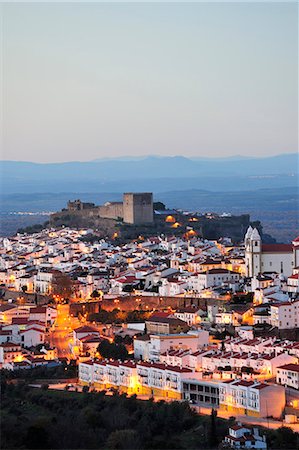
x=61, y=336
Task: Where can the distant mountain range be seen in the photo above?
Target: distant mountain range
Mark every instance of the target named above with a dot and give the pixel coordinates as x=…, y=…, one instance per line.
x=277, y=208
x=150, y=173
x=266, y=188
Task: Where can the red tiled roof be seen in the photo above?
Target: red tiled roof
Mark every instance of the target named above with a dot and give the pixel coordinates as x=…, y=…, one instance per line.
x=85, y=329
x=10, y=344
x=89, y=363
x=160, y=314
x=38, y=310
x=260, y=386
x=91, y=338
x=31, y=329
x=130, y=364
x=19, y=321
x=291, y=367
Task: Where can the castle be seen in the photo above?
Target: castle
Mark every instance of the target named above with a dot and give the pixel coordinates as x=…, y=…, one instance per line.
x=261, y=258
x=135, y=209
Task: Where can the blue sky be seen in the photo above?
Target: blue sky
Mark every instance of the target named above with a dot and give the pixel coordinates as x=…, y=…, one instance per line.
x=91, y=80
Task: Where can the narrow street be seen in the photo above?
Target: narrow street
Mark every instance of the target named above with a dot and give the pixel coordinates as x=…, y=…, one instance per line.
x=61, y=336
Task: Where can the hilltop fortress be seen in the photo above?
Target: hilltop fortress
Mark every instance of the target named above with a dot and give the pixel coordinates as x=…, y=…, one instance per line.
x=137, y=216
x=135, y=209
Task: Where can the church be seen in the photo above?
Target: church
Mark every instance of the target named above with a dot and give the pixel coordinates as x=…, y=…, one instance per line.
x=263, y=258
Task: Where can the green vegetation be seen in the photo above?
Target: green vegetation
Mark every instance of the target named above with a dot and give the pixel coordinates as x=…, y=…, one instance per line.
x=62, y=371
x=116, y=316
x=31, y=229
x=62, y=285
x=159, y=206
x=112, y=350
x=36, y=418
x=44, y=419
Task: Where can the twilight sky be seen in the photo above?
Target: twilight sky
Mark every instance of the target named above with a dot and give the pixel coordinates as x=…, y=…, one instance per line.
x=91, y=80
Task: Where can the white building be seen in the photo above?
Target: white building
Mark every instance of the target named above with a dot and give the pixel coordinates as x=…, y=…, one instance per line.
x=260, y=258
x=288, y=375
x=189, y=315
x=44, y=314
x=240, y=436
x=151, y=348
x=252, y=398
x=32, y=336
x=285, y=315
x=147, y=378
x=42, y=282
x=172, y=287
x=10, y=352
x=293, y=284
x=217, y=277
x=141, y=347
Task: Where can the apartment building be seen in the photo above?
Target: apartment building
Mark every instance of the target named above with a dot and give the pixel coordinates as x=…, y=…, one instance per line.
x=189, y=315
x=151, y=348
x=265, y=364
x=288, y=375
x=285, y=315
x=10, y=352
x=143, y=378
x=217, y=277
x=251, y=398
x=201, y=392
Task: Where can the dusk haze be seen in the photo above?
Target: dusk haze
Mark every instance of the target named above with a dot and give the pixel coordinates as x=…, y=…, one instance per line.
x=149, y=225
x=90, y=80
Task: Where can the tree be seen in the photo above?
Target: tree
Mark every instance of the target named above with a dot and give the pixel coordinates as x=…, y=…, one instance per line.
x=103, y=316
x=128, y=288
x=62, y=285
x=282, y=438
x=118, y=339
x=95, y=294
x=114, y=351
x=24, y=288
x=37, y=437
x=213, y=429
x=159, y=206
x=123, y=439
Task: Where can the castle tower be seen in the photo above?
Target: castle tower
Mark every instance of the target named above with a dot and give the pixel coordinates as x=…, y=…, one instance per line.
x=138, y=208
x=253, y=250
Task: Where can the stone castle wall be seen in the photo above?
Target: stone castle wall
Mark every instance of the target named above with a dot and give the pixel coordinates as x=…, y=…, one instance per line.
x=138, y=208
x=112, y=210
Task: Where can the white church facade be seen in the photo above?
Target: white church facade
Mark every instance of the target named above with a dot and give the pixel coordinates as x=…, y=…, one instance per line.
x=261, y=258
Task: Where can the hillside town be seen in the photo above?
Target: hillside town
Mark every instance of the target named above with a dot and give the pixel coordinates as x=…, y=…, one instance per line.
x=213, y=323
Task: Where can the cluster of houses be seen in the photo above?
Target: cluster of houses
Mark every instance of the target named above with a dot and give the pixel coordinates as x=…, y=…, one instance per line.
x=240, y=375
x=23, y=336
x=175, y=352
x=165, y=266
x=160, y=380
